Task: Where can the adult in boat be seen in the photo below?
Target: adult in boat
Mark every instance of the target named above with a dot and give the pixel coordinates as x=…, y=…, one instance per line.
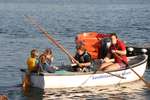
x=118, y=51
x=83, y=57
x=45, y=61
x=32, y=61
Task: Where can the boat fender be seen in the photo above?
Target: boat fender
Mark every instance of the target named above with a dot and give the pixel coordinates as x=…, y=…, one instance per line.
x=144, y=50
x=130, y=49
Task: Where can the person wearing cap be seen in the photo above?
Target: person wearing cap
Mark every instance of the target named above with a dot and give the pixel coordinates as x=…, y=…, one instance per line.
x=83, y=57
x=118, y=51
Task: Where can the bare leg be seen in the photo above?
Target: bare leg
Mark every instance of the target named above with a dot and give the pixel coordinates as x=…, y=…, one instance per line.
x=112, y=67
x=104, y=65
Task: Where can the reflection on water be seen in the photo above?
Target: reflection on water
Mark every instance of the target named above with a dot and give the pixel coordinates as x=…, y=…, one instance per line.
x=63, y=19
x=128, y=91
x=134, y=90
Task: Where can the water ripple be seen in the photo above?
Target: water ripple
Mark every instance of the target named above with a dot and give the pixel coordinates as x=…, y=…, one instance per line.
x=64, y=20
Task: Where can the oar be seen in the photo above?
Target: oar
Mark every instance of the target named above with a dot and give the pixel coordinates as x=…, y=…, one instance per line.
x=146, y=83
x=107, y=72
x=114, y=75
x=111, y=74
x=118, y=76
x=50, y=38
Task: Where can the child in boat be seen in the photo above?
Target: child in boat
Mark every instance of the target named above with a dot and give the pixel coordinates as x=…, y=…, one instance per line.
x=32, y=61
x=83, y=57
x=45, y=61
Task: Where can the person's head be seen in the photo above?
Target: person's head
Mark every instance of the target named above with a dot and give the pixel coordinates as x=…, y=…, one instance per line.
x=114, y=38
x=80, y=49
x=34, y=53
x=42, y=58
x=48, y=51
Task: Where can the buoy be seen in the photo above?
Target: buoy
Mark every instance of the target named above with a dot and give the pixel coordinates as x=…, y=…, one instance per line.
x=130, y=49
x=144, y=50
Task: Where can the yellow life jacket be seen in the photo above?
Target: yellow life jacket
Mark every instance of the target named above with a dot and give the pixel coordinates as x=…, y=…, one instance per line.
x=32, y=64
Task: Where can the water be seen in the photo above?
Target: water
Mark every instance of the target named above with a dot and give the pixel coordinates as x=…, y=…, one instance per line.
x=63, y=19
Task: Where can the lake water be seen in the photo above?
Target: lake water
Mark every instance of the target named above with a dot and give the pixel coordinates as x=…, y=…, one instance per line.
x=63, y=19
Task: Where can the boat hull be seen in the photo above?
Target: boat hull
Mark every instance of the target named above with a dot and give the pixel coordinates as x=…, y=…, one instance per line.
x=82, y=80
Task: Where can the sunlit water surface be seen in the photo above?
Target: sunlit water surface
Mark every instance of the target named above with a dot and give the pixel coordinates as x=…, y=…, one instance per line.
x=63, y=20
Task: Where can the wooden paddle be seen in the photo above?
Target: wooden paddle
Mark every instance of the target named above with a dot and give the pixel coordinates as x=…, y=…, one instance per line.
x=146, y=83
x=51, y=39
x=99, y=65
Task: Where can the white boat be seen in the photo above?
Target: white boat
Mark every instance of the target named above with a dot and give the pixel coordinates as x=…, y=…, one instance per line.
x=78, y=79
